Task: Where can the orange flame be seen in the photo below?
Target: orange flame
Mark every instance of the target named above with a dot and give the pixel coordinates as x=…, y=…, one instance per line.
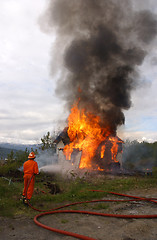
x=103, y=151
x=85, y=134
x=114, y=148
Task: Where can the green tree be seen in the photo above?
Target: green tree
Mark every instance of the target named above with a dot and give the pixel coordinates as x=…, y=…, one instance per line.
x=21, y=157
x=35, y=151
x=47, y=142
x=10, y=156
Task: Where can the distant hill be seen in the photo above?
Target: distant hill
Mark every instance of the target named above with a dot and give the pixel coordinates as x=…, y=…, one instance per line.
x=5, y=151
x=18, y=146
x=6, y=148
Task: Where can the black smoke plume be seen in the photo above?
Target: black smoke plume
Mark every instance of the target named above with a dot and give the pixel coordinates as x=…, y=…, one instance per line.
x=102, y=43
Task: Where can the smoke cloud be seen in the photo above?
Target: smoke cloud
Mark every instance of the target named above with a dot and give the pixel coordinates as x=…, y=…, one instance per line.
x=46, y=158
x=139, y=156
x=99, y=46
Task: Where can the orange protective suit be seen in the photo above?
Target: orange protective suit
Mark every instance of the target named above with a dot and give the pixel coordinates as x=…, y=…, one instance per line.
x=30, y=167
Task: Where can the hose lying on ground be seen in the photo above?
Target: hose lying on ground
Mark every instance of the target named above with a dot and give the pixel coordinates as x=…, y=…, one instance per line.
x=9, y=180
x=56, y=210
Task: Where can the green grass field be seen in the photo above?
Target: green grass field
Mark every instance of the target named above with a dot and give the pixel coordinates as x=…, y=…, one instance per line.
x=71, y=190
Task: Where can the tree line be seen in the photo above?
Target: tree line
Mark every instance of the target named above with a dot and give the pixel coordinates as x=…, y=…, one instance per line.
x=139, y=156
x=16, y=158
x=135, y=156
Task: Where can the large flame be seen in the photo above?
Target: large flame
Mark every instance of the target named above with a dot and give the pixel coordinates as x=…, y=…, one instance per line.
x=85, y=134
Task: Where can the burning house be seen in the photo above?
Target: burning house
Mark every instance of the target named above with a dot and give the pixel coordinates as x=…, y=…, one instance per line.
x=105, y=157
x=99, y=48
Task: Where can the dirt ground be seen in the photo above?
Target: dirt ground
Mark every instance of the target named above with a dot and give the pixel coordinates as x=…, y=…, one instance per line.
x=100, y=228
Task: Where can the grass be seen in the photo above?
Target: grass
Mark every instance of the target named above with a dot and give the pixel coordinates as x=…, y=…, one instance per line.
x=64, y=221
x=9, y=197
x=100, y=206
x=74, y=190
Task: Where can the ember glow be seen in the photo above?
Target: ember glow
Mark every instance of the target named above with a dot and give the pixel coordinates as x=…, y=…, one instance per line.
x=86, y=135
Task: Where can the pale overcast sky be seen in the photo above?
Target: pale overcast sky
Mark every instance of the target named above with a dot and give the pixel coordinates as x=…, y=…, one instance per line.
x=29, y=107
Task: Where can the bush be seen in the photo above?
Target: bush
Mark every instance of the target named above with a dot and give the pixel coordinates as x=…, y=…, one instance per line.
x=10, y=169
x=154, y=171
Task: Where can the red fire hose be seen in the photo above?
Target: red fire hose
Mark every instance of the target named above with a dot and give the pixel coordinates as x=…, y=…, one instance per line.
x=56, y=210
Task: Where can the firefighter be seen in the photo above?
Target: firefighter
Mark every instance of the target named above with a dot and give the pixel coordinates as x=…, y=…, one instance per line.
x=30, y=168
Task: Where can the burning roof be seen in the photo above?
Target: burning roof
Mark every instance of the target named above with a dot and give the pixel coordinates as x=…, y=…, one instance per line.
x=63, y=136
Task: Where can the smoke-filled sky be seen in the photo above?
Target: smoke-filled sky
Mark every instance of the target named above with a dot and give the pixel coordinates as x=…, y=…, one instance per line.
x=45, y=57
